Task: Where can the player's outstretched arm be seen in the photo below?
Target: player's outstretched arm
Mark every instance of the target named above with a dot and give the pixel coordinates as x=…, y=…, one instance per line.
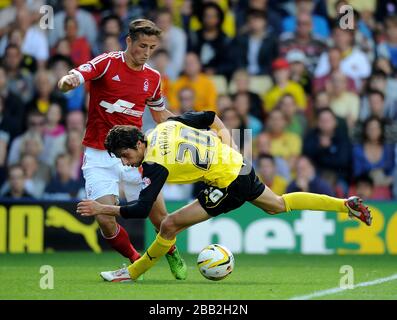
x=223, y=133
x=89, y=208
x=68, y=82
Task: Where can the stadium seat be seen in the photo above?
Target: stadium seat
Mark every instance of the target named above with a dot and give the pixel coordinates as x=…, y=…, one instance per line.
x=258, y=85
x=220, y=83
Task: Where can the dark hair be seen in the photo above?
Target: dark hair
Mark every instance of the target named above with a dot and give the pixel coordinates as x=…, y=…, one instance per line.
x=256, y=13
x=111, y=17
x=364, y=178
x=382, y=128
x=262, y=156
x=12, y=46
x=221, y=15
x=378, y=92
x=143, y=27
x=122, y=137
x=69, y=18
x=323, y=110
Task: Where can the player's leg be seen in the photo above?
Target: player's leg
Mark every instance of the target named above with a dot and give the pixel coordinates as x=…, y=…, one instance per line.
x=157, y=214
x=132, y=182
x=102, y=185
x=183, y=218
x=272, y=203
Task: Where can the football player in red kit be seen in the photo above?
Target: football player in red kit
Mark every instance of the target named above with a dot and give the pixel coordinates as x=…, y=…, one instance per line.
x=122, y=85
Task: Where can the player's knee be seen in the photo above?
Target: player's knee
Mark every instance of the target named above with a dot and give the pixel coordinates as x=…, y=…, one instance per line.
x=277, y=206
x=107, y=224
x=280, y=205
x=168, y=225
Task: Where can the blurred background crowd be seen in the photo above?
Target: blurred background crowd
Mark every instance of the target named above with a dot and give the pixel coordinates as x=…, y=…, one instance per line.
x=320, y=100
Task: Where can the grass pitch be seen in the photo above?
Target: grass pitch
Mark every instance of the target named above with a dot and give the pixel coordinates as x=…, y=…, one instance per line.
x=76, y=276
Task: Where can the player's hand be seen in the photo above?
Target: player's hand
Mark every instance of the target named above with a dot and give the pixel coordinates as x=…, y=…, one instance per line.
x=89, y=208
x=68, y=82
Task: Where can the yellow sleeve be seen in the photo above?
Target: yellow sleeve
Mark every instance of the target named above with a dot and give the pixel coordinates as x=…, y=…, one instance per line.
x=297, y=91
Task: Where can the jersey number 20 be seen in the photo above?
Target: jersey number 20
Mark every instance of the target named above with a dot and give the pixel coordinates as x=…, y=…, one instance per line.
x=195, y=137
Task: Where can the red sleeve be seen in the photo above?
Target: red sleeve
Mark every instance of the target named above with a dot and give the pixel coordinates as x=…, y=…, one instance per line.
x=157, y=101
x=93, y=69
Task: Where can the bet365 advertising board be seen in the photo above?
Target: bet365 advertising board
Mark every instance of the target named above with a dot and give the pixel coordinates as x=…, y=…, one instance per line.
x=250, y=230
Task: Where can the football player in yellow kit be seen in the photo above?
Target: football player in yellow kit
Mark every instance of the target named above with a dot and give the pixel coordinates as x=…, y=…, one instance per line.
x=180, y=151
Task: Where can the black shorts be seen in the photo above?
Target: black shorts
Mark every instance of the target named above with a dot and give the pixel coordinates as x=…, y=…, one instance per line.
x=244, y=188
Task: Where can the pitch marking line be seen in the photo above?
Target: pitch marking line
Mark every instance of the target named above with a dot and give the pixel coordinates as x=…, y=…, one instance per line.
x=322, y=293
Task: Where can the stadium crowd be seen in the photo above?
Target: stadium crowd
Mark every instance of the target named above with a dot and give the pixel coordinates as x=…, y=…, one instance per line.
x=319, y=98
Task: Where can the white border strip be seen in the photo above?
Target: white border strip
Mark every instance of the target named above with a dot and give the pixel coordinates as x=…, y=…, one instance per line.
x=322, y=293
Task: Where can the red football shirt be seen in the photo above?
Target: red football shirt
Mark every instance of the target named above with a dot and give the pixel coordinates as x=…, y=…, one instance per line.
x=118, y=95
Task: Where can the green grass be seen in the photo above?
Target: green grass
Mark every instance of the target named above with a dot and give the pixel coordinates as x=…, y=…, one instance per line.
x=254, y=277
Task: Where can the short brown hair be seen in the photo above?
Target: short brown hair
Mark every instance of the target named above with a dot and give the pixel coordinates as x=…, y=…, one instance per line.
x=122, y=137
x=143, y=26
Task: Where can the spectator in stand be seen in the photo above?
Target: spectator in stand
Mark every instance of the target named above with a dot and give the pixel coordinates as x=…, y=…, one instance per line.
x=75, y=120
x=255, y=50
x=8, y=15
x=204, y=89
x=284, y=144
x=386, y=89
x=15, y=37
x=307, y=180
x=364, y=188
x=161, y=62
x=373, y=156
x=16, y=182
x=241, y=79
x=223, y=102
x=388, y=48
x=296, y=121
x=322, y=100
x=186, y=100
x=374, y=101
x=110, y=26
x=355, y=63
x=302, y=39
x=35, y=127
x=80, y=49
x=283, y=85
x=334, y=59
x=85, y=21
x=54, y=133
x=36, y=175
x=210, y=43
x=19, y=81
x=125, y=12
x=34, y=41
x=340, y=97
x=5, y=137
x=11, y=108
x=173, y=40
x=328, y=148
x=272, y=16
x=62, y=186
x=111, y=43
x=262, y=145
x=75, y=149
x=299, y=72
x=241, y=102
x=267, y=173
x=235, y=124
x=320, y=24
x=45, y=93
